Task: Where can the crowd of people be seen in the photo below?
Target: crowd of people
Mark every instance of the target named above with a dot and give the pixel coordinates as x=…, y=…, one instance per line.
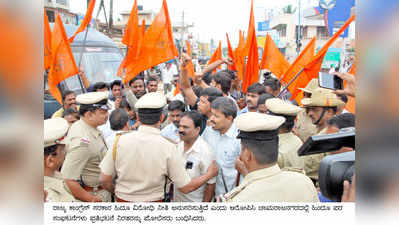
x=173, y=137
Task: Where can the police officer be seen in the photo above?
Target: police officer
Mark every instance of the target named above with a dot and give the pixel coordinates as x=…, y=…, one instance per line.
x=304, y=127
x=320, y=107
x=143, y=161
x=54, y=155
x=86, y=148
x=289, y=143
x=265, y=182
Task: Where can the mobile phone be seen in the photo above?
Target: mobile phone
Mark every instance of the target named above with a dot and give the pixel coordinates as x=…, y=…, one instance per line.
x=330, y=81
x=189, y=165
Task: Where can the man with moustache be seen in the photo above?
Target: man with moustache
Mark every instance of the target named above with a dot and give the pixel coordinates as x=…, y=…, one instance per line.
x=175, y=108
x=222, y=137
x=320, y=107
x=197, y=155
x=136, y=90
x=68, y=102
x=152, y=84
x=252, y=96
x=143, y=161
x=304, y=128
x=85, y=146
x=203, y=101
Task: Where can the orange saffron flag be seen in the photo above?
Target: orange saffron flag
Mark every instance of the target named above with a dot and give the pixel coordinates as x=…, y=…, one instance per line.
x=304, y=57
x=190, y=66
x=230, y=54
x=251, y=30
x=272, y=59
x=131, y=29
x=351, y=105
x=252, y=66
x=86, y=20
x=157, y=45
x=142, y=28
x=132, y=38
x=47, y=43
x=313, y=67
x=217, y=55
x=63, y=64
x=239, y=57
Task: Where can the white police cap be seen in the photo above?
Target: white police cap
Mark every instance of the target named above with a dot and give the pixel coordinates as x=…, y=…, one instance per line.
x=93, y=98
x=258, y=126
x=54, y=131
x=152, y=100
x=281, y=107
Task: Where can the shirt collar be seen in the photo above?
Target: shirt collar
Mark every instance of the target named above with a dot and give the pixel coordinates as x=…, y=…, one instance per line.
x=262, y=173
x=196, y=147
x=174, y=128
x=232, y=132
x=148, y=129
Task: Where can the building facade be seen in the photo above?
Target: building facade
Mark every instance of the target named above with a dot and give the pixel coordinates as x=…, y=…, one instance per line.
x=52, y=7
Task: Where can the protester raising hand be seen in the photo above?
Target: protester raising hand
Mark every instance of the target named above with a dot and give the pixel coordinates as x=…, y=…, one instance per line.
x=351, y=84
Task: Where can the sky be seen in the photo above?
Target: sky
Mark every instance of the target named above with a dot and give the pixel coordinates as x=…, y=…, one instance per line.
x=211, y=18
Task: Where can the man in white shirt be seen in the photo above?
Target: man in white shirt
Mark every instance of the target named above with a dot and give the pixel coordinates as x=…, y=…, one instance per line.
x=167, y=76
x=222, y=137
x=176, y=109
x=119, y=121
x=197, y=155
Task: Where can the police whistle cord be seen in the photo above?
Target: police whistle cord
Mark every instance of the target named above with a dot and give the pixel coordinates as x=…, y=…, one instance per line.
x=289, y=83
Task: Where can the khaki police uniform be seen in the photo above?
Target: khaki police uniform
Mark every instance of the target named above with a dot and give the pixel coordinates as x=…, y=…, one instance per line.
x=304, y=126
x=289, y=143
x=312, y=162
x=288, y=146
x=86, y=148
x=273, y=185
x=269, y=184
x=57, y=191
x=321, y=97
x=54, y=132
x=144, y=160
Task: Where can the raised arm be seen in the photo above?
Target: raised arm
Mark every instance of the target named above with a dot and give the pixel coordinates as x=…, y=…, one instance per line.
x=189, y=94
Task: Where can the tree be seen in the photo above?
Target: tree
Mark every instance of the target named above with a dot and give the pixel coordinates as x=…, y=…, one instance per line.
x=289, y=9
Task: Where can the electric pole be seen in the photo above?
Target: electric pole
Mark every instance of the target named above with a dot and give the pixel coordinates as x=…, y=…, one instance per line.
x=182, y=33
x=298, y=39
x=111, y=19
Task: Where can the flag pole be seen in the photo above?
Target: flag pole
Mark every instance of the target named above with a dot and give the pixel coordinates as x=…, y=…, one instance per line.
x=289, y=83
x=80, y=58
x=81, y=53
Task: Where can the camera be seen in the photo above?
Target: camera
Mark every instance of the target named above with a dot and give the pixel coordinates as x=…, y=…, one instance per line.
x=335, y=168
